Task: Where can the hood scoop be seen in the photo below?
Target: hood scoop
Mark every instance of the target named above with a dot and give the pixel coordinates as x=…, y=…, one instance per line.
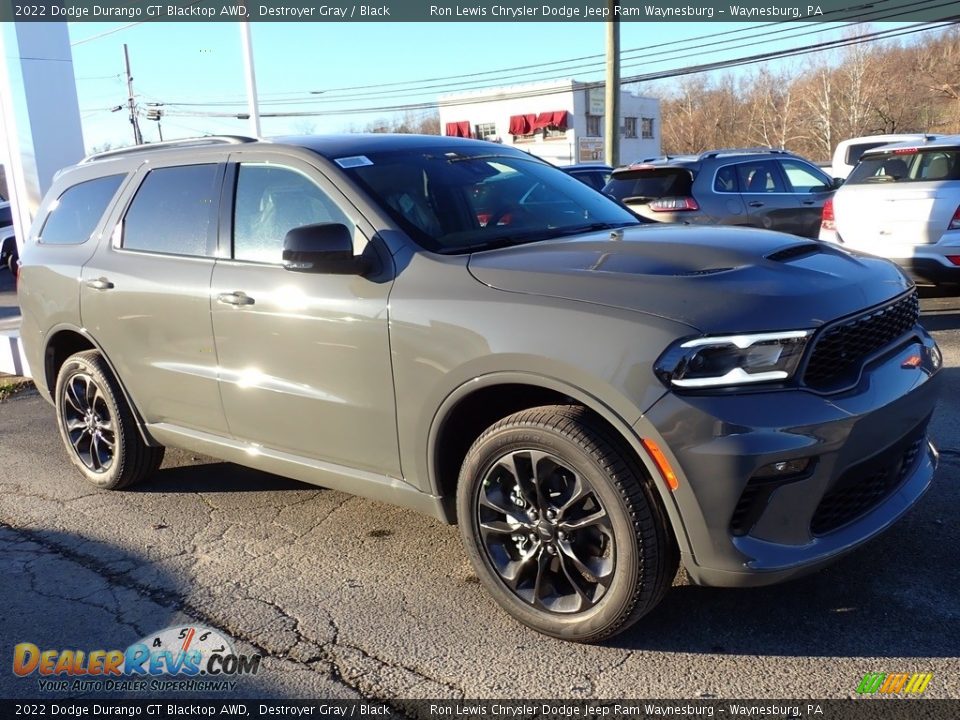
x=795, y=252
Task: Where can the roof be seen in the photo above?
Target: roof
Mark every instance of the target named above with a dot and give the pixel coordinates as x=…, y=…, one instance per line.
x=941, y=141
x=329, y=146
x=338, y=146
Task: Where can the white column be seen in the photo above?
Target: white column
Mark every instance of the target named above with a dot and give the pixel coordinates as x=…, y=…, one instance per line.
x=39, y=112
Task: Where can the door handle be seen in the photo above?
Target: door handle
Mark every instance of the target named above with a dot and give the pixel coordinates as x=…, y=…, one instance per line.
x=755, y=203
x=100, y=284
x=809, y=202
x=235, y=298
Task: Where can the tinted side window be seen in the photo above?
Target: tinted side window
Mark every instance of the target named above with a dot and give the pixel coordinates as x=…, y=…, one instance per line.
x=76, y=213
x=759, y=177
x=726, y=180
x=271, y=201
x=6, y=216
x=803, y=178
x=172, y=211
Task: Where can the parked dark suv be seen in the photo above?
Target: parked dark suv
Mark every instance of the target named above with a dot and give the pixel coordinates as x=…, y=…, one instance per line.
x=756, y=187
x=466, y=331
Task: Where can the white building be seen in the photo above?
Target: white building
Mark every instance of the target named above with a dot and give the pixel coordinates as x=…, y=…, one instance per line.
x=560, y=121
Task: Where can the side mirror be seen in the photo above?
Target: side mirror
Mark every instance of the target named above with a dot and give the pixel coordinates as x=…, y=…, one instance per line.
x=322, y=248
x=836, y=182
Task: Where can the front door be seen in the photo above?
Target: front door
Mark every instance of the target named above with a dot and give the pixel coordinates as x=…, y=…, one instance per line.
x=304, y=357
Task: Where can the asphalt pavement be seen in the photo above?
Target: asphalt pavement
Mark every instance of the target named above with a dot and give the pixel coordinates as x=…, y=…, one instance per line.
x=346, y=597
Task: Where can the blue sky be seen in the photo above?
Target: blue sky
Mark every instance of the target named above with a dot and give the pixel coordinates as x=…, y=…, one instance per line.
x=202, y=63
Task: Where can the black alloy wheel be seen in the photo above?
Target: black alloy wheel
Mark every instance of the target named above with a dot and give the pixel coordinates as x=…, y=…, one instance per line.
x=562, y=524
x=546, y=532
x=97, y=425
x=88, y=422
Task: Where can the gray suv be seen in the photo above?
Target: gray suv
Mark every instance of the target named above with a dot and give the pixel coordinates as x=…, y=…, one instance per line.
x=461, y=329
x=754, y=187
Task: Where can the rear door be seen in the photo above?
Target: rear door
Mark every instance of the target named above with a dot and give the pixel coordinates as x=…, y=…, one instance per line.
x=768, y=202
x=145, y=295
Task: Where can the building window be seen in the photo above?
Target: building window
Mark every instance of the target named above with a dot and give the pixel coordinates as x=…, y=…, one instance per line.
x=630, y=127
x=646, y=125
x=593, y=125
x=485, y=130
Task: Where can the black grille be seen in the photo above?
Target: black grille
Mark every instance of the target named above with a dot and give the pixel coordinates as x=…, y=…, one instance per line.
x=750, y=506
x=864, y=486
x=840, y=350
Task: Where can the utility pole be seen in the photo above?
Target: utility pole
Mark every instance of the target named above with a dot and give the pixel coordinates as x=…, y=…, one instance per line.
x=252, y=106
x=611, y=141
x=137, y=137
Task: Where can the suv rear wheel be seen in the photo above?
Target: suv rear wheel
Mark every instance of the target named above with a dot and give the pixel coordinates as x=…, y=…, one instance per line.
x=98, y=427
x=561, y=526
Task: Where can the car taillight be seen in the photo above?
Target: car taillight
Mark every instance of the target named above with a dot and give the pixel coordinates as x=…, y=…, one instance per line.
x=827, y=220
x=675, y=204
x=955, y=220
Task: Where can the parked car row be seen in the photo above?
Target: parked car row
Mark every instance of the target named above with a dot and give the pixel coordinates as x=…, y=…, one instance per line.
x=900, y=202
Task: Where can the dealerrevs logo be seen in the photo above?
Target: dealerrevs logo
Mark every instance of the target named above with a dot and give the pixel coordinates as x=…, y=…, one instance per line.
x=188, y=658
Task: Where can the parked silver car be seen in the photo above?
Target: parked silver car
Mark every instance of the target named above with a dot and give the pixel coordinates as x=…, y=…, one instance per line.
x=902, y=202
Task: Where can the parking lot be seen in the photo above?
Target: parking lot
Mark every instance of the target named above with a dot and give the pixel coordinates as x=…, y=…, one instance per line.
x=346, y=597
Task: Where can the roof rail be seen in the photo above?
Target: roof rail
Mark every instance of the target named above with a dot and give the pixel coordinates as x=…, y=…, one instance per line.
x=186, y=142
x=742, y=151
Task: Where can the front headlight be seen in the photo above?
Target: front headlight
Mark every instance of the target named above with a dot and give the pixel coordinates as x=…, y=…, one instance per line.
x=708, y=362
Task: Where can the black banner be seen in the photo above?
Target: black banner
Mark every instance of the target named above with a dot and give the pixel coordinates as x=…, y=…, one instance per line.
x=475, y=11
x=859, y=709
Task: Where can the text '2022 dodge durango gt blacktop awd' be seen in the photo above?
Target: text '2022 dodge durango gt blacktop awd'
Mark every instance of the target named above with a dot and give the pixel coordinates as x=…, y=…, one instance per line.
x=461, y=329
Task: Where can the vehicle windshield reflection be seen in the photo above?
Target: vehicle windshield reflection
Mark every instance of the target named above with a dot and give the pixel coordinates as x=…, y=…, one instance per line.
x=455, y=202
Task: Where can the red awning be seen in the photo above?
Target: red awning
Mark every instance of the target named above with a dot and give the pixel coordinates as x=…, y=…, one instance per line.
x=459, y=129
x=529, y=124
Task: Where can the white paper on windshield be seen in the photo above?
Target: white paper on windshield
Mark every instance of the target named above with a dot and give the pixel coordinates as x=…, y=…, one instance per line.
x=353, y=161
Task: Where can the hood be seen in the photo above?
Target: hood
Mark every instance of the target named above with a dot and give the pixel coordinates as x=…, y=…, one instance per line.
x=715, y=279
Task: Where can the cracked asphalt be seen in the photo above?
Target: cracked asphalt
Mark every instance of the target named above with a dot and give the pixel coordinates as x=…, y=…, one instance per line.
x=346, y=597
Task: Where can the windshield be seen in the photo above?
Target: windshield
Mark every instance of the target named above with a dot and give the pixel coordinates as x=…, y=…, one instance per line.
x=907, y=166
x=455, y=201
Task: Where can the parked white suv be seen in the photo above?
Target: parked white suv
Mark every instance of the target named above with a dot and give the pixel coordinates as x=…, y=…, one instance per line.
x=902, y=202
x=848, y=152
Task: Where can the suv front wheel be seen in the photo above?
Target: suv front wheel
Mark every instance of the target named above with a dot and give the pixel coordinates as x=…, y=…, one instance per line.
x=98, y=427
x=562, y=526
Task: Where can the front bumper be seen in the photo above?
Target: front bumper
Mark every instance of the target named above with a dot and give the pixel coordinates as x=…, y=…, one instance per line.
x=870, y=461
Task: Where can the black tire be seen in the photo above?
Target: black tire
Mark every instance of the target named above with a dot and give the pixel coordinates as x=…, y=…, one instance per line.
x=12, y=264
x=97, y=426
x=613, y=556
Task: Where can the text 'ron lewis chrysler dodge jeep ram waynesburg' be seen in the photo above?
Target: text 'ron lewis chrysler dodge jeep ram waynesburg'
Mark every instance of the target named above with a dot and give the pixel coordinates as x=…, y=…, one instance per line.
x=456, y=327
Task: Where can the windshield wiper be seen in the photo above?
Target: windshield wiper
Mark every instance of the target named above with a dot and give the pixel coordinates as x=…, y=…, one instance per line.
x=494, y=244
x=592, y=227
x=547, y=234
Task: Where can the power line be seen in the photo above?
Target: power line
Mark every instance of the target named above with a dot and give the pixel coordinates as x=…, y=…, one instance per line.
x=106, y=32
x=642, y=53
x=628, y=80
x=499, y=73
